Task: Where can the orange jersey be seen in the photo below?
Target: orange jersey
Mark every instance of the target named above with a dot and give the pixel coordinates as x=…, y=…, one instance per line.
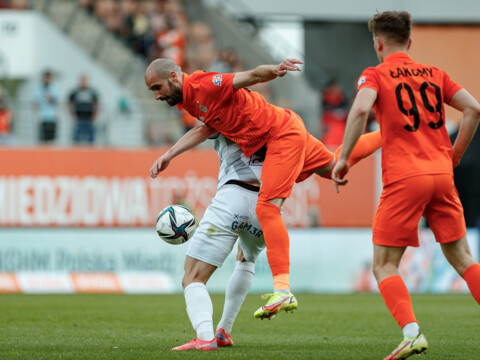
x=410, y=110
x=241, y=115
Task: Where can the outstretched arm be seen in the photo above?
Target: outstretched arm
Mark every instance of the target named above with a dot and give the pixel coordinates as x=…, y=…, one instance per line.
x=191, y=139
x=357, y=118
x=264, y=73
x=465, y=102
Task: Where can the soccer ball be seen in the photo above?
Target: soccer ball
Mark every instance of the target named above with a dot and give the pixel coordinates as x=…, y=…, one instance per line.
x=175, y=224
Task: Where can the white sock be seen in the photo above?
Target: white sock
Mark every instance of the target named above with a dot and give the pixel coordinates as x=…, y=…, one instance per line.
x=411, y=329
x=200, y=310
x=237, y=289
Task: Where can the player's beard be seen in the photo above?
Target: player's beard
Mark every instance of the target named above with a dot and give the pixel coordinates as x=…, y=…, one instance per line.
x=176, y=95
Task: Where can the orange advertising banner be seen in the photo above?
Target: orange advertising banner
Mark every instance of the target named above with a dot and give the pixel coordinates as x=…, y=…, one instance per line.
x=88, y=187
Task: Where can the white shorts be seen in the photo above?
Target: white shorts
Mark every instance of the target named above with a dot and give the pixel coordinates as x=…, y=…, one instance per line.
x=231, y=215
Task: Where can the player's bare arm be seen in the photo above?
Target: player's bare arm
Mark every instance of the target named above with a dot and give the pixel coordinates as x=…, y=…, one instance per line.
x=357, y=118
x=264, y=73
x=188, y=141
x=466, y=103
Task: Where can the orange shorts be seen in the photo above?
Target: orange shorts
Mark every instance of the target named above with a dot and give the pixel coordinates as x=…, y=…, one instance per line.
x=405, y=201
x=317, y=156
x=284, y=159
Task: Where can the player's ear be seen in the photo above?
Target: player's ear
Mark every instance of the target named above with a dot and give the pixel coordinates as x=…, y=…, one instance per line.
x=409, y=43
x=173, y=77
x=378, y=43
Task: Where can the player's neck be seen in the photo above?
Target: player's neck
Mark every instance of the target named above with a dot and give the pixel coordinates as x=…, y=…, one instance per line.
x=389, y=51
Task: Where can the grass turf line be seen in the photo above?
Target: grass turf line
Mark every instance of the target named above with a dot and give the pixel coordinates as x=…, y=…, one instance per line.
x=147, y=326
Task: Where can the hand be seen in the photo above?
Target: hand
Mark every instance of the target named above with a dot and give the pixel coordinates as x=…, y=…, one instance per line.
x=159, y=165
x=288, y=65
x=339, y=172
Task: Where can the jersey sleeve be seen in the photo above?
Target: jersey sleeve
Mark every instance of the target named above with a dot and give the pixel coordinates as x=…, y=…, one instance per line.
x=450, y=87
x=368, y=79
x=217, y=86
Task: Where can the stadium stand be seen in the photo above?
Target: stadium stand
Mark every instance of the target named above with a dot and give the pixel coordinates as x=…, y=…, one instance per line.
x=122, y=36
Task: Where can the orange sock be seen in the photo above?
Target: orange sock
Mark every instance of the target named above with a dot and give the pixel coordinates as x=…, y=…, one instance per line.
x=397, y=298
x=367, y=144
x=276, y=237
x=472, y=277
x=281, y=281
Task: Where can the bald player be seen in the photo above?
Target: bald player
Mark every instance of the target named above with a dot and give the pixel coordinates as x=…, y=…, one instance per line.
x=224, y=103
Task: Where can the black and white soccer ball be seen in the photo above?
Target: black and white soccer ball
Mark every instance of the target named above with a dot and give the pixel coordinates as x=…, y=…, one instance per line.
x=176, y=224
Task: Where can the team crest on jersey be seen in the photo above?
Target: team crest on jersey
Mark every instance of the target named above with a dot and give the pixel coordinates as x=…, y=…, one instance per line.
x=203, y=108
x=361, y=81
x=217, y=80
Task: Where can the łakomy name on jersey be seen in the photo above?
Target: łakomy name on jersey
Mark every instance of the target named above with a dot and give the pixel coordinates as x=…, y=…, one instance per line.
x=404, y=72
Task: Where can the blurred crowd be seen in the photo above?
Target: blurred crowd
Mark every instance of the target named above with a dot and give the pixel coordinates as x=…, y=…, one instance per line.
x=160, y=28
x=15, y=4
x=335, y=108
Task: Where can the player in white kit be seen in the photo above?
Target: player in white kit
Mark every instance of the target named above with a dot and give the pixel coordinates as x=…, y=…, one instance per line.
x=229, y=217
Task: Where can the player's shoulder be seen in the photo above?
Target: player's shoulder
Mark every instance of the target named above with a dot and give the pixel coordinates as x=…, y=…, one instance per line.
x=200, y=75
x=208, y=80
x=373, y=70
x=368, y=75
x=433, y=71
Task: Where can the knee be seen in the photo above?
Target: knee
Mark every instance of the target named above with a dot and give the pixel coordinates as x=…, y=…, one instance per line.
x=377, y=269
x=458, y=255
x=383, y=269
x=460, y=262
x=194, y=277
x=266, y=210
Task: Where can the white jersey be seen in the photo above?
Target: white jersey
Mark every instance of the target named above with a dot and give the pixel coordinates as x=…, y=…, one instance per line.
x=231, y=215
x=234, y=165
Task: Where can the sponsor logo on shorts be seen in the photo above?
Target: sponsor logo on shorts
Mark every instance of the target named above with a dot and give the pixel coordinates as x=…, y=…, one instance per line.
x=247, y=227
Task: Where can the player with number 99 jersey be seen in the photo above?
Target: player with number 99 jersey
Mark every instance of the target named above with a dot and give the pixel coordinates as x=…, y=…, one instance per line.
x=409, y=109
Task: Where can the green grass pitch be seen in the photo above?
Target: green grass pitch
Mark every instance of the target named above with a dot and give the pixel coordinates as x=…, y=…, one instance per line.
x=147, y=326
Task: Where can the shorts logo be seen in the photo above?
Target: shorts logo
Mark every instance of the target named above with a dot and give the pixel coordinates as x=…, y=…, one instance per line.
x=361, y=81
x=217, y=80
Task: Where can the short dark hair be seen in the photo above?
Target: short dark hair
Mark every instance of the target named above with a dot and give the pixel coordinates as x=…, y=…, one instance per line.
x=394, y=25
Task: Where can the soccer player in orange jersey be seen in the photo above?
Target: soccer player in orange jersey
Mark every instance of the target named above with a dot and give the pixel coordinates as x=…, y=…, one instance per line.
x=417, y=164
x=223, y=102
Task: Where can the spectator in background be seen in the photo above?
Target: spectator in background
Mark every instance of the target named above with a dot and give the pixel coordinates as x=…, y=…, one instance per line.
x=19, y=4
x=201, y=48
x=138, y=26
x=83, y=105
x=334, y=115
x=46, y=108
x=170, y=42
x=227, y=61
x=87, y=5
x=5, y=122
